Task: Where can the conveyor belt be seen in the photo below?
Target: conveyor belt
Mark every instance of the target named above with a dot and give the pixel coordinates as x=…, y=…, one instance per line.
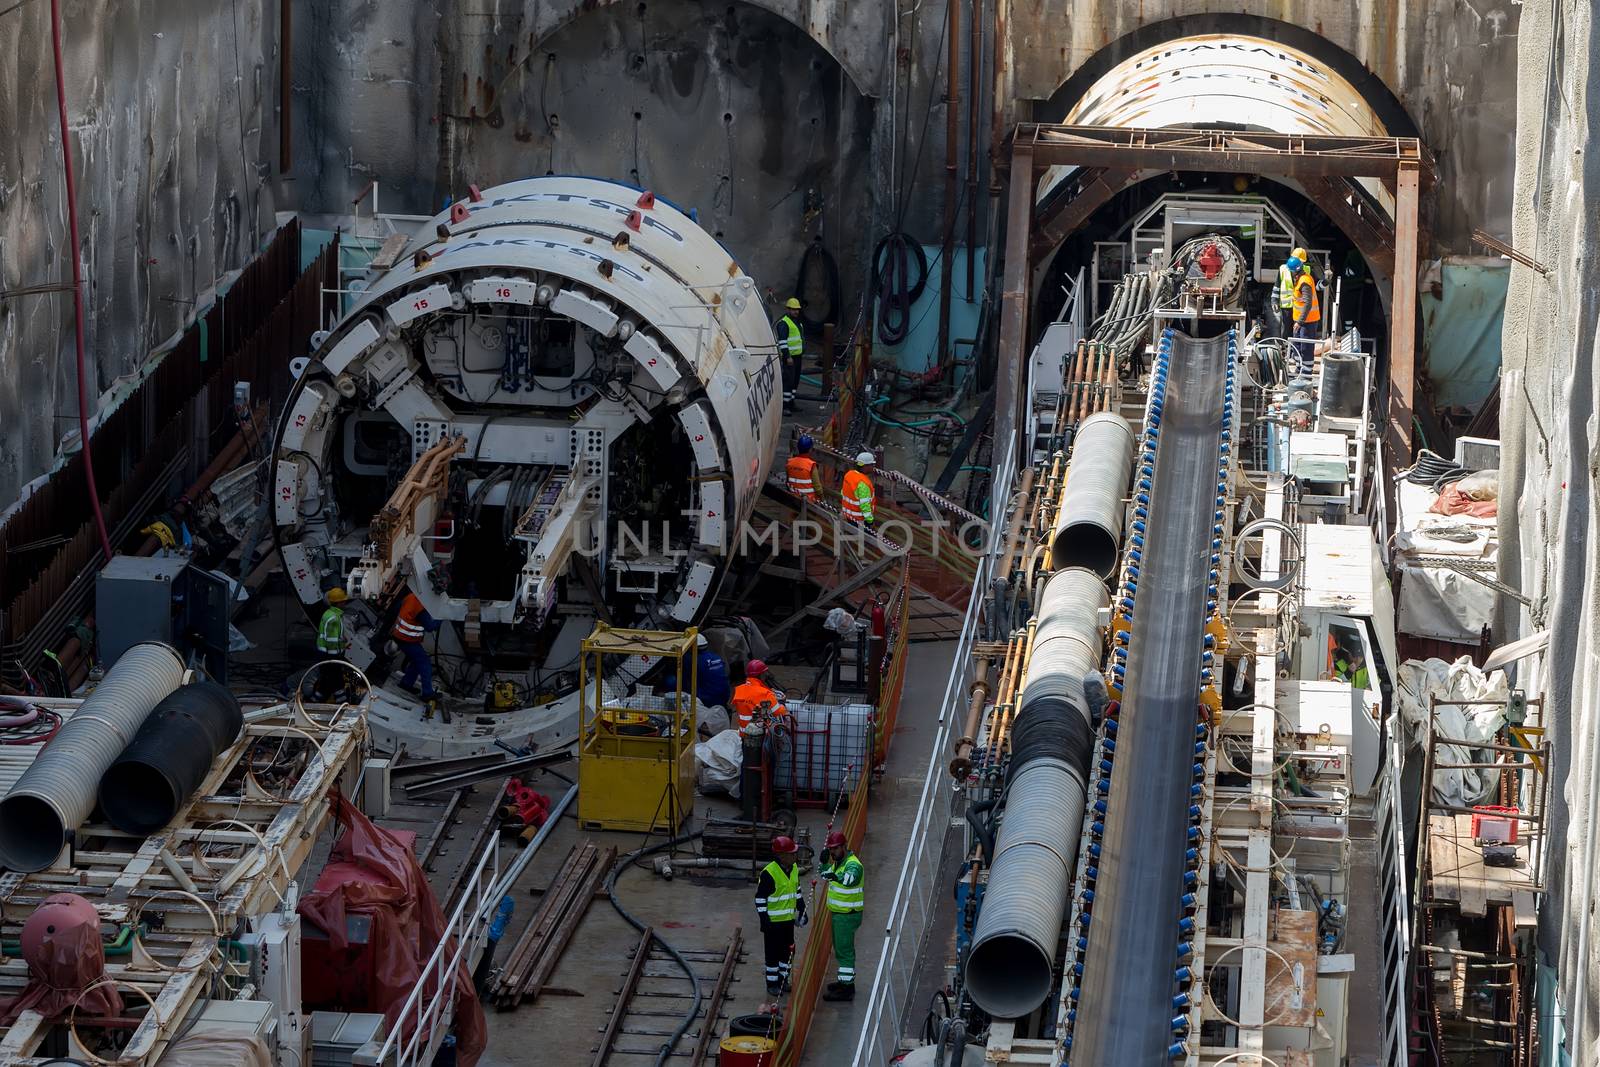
x=1125, y=1004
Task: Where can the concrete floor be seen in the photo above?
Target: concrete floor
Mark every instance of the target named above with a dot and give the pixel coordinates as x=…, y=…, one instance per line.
x=694, y=911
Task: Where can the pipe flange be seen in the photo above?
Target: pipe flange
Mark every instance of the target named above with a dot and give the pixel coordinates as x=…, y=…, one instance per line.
x=1290, y=565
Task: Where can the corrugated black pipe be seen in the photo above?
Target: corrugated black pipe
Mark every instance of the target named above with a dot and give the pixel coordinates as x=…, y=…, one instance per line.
x=169, y=757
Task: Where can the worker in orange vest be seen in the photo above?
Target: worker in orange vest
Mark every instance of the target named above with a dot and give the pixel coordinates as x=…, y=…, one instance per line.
x=1307, y=316
x=801, y=470
x=856, y=495
x=410, y=625
x=753, y=692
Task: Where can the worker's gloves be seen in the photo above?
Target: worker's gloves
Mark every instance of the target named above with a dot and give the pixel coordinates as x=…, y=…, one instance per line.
x=827, y=874
x=803, y=920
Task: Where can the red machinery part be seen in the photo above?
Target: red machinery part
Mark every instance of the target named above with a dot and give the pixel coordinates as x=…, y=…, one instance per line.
x=65, y=956
x=1210, y=260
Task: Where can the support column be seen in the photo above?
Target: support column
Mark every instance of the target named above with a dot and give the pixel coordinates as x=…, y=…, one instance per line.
x=1010, y=404
x=1403, y=315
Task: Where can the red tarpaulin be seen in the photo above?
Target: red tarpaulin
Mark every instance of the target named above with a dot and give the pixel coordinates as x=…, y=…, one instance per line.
x=61, y=944
x=372, y=872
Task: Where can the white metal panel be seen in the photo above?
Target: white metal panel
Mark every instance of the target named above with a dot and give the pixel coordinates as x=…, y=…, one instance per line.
x=361, y=337
x=662, y=368
x=434, y=298
x=306, y=416
x=713, y=520
x=498, y=290
x=301, y=575
x=585, y=309
x=696, y=591
x=696, y=422
x=1338, y=573
x=286, y=493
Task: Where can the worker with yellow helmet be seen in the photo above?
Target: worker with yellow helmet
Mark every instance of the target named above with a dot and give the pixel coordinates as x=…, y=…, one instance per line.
x=791, y=348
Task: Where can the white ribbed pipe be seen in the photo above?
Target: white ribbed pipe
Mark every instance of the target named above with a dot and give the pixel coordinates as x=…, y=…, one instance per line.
x=1089, y=521
x=57, y=792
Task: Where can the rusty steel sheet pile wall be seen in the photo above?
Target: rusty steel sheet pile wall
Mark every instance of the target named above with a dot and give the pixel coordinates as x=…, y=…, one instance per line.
x=48, y=551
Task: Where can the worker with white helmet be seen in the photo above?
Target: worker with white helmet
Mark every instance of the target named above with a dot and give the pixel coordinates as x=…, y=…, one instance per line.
x=856, y=495
x=791, y=348
x=1288, y=270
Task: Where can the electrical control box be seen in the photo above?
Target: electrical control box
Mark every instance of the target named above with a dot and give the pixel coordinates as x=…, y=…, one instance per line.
x=167, y=599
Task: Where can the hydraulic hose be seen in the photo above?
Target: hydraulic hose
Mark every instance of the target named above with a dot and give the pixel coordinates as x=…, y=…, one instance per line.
x=891, y=281
x=665, y=1052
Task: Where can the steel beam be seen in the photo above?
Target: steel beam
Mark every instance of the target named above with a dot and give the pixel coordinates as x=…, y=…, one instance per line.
x=1369, y=234
x=1014, y=301
x=1403, y=314
x=1291, y=155
x=1096, y=187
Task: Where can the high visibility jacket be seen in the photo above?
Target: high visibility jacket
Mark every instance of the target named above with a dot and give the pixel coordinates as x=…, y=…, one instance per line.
x=847, y=890
x=802, y=474
x=411, y=623
x=330, y=633
x=856, y=497
x=1357, y=678
x=778, y=893
x=1285, y=286
x=1306, y=307
x=789, y=341
x=749, y=695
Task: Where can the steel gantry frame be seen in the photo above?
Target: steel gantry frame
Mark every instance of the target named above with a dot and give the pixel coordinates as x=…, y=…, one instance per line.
x=1112, y=158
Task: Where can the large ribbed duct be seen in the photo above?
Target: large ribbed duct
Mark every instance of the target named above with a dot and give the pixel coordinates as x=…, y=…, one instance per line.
x=57, y=792
x=1011, y=965
x=1090, y=518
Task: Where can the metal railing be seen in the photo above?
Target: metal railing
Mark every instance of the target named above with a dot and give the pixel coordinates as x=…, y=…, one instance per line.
x=424, y=1019
x=917, y=896
x=1395, y=936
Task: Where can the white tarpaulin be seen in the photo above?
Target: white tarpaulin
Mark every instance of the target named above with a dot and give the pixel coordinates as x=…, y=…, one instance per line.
x=1421, y=682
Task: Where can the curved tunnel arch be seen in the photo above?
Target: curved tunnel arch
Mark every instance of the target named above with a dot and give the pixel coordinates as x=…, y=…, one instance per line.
x=1079, y=82
x=1239, y=72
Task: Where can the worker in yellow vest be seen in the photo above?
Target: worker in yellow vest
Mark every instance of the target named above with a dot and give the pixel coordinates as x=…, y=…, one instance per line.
x=846, y=901
x=779, y=906
x=856, y=495
x=801, y=471
x=1284, y=291
x=791, y=348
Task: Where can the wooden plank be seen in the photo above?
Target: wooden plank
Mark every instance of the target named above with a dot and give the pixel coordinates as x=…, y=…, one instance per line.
x=1291, y=998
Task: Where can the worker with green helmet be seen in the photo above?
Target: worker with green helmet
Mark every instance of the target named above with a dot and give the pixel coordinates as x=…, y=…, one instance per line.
x=791, y=348
x=846, y=901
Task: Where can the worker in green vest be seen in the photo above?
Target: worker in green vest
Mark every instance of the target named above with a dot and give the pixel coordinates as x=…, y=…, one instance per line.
x=1284, y=291
x=846, y=899
x=779, y=904
x=790, y=349
x=1351, y=666
x=332, y=645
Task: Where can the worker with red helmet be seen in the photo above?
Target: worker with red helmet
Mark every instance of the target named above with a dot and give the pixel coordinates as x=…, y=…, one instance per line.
x=751, y=694
x=846, y=900
x=779, y=904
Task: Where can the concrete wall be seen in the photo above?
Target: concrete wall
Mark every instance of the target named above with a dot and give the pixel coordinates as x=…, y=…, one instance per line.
x=169, y=190
x=1549, y=467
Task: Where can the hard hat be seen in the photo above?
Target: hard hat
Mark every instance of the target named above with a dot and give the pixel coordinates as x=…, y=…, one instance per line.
x=866, y=459
x=835, y=839
x=793, y=304
x=337, y=595
x=1294, y=263
x=755, y=668
x=805, y=443
x=1299, y=254
x=782, y=845
x=700, y=641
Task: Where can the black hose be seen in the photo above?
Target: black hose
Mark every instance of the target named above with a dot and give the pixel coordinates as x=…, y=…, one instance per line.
x=983, y=828
x=812, y=324
x=891, y=281
x=1433, y=470
x=665, y=1052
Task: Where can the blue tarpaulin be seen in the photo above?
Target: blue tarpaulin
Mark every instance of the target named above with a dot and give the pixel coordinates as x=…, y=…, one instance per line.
x=1461, y=328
